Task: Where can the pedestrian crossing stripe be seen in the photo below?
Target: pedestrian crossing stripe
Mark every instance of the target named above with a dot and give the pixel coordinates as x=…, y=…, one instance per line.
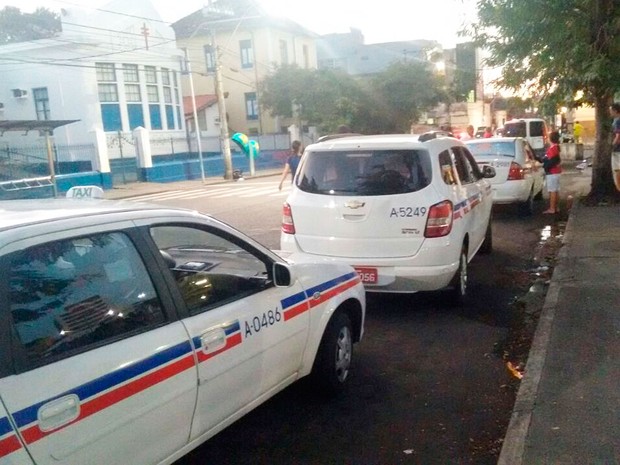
x=246, y=191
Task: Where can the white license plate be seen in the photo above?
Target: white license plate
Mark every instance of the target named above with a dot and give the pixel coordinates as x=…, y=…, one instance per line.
x=368, y=275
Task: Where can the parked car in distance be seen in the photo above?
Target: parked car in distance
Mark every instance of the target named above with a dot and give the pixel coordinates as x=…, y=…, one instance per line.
x=407, y=211
x=519, y=177
x=533, y=130
x=133, y=333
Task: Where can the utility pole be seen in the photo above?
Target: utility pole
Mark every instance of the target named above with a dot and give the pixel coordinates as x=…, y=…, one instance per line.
x=221, y=105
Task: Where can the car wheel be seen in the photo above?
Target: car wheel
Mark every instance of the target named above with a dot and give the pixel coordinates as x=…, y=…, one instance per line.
x=333, y=360
x=459, y=281
x=487, y=244
x=527, y=207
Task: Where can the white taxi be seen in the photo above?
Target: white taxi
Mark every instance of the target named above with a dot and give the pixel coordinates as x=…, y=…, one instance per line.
x=133, y=333
x=519, y=179
x=408, y=212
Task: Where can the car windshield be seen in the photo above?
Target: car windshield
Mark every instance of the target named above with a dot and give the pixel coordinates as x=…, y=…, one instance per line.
x=371, y=172
x=515, y=129
x=506, y=149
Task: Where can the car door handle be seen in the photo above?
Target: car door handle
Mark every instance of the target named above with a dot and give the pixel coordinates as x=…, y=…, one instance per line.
x=213, y=340
x=58, y=412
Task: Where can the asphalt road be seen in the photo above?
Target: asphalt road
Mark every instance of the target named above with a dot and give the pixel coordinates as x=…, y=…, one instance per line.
x=430, y=382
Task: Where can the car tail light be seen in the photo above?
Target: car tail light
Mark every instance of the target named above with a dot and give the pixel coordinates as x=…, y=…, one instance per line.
x=516, y=172
x=288, y=227
x=439, y=220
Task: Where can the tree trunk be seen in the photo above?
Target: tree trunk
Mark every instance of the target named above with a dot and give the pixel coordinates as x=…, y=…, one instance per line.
x=602, y=180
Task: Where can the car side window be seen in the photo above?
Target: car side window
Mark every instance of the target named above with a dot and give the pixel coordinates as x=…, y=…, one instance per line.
x=474, y=170
x=70, y=295
x=210, y=269
x=463, y=168
x=447, y=169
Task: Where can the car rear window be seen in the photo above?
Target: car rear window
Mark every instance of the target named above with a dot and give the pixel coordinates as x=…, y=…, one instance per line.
x=536, y=128
x=492, y=148
x=365, y=172
x=516, y=129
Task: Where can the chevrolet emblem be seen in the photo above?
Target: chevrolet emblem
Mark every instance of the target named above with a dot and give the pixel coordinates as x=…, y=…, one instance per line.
x=353, y=204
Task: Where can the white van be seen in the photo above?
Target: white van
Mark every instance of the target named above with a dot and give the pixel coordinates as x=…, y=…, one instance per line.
x=534, y=130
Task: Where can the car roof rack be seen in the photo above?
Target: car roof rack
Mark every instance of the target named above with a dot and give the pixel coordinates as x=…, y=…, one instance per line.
x=433, y=135
x=337, y=136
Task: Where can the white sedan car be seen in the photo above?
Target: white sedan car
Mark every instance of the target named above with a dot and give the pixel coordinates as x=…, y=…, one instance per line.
x=519, y=179
x=133, y=333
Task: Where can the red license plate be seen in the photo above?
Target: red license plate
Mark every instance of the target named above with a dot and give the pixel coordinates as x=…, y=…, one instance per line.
x=368, y=275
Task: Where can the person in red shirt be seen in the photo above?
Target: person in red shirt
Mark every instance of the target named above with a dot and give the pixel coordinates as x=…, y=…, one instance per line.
x=553, y=168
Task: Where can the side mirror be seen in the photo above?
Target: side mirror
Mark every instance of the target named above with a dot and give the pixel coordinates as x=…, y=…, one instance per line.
x=488, y=171
x=282, y=276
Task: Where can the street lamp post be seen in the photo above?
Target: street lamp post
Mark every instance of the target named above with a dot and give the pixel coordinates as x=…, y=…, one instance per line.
x=188, y=69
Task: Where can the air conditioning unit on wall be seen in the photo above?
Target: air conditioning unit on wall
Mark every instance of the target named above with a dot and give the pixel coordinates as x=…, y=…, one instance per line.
x=20, y=93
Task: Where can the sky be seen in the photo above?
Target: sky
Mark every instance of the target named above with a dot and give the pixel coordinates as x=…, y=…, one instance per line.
x=382, y=21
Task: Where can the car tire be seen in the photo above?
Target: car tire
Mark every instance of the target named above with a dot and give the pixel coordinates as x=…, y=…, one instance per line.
x=487, y=243
x=527, y=207
x=458, y=291
x=333, y=360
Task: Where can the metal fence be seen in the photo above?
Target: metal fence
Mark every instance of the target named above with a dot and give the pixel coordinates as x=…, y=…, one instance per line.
x=31, y=161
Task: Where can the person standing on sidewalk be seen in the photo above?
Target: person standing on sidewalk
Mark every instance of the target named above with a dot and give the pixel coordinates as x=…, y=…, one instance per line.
x=615, y=151
x=292, y=162
x=553, y=168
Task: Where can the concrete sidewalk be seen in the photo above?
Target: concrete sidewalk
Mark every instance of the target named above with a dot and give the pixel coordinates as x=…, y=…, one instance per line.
x=568, y=405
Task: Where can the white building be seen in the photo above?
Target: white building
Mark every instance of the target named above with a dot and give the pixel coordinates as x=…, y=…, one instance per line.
x=114, y=69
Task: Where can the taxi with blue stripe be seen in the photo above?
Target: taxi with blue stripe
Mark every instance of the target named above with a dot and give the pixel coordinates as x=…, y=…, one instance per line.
x=125, y=324
x=408, y=212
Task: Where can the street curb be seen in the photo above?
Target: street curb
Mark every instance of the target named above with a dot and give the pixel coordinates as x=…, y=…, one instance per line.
x=513, y=447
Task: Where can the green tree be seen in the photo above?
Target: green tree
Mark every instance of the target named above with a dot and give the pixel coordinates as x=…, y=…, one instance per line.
x=16, y=26
x=385, y=103
x=404, y=91
x=559, y=48
x=323, y=98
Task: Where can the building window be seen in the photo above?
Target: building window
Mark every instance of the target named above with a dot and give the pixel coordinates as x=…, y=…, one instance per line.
x=165, y=76
x=41, y=103
x=105, y=72
x=152, y=93
x=155, y=114
x=132, y=93
x=283, y=52
x=209, y=58
x=108, y=93
x=306, y=57
x=247, y=54
x=167, y=95
x=130, y=73
x=251, y=105
x=150, y=74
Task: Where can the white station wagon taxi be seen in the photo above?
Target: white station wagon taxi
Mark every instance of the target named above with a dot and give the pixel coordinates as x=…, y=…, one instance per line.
x=408, y=212
x=126, y=324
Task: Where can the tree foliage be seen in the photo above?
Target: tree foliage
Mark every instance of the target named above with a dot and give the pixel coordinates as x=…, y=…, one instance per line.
x=387, y=102
x=558, y=49
x=16, y=26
